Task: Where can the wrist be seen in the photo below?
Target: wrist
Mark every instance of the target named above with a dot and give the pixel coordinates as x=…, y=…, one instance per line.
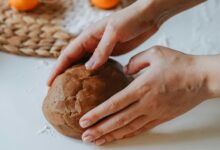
x=208, y=67
x=148, y=13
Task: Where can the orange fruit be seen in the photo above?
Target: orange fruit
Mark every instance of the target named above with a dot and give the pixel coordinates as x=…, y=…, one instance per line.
x=23, y=5
x=105, y=4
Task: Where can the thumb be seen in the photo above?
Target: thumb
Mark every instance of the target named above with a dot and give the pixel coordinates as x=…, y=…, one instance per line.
x=137, y=63
x=103, y=50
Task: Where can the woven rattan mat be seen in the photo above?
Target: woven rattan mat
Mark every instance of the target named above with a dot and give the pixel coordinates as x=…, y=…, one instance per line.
x=39, y=32
x=36, y=33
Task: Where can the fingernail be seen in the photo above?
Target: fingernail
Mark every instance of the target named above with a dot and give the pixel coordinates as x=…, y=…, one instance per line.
x=85, y=123
x=88, y=139
x=90, y=64
x=100, y=142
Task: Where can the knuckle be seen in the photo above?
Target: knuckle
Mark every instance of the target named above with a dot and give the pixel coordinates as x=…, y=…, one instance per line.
x=142, y=90
x=93, y=117
x=132, y=127
x=116, y=135
x=97, y=132
x=121, y=121
x=112, y=26
x=156, y=50
x=113, y=105
x=110, y=137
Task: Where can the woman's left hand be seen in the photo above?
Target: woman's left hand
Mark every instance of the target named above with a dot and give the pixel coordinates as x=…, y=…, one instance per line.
x=171, y=85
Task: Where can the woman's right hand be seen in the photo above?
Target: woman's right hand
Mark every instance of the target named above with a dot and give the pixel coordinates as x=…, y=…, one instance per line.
x=114, y=35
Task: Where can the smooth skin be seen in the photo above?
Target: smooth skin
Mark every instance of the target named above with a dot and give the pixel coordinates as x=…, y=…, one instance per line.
x=172, y=83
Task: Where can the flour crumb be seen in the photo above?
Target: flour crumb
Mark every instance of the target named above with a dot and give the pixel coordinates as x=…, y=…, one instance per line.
x=45, y=130
x=43, y=63
x=29, y=90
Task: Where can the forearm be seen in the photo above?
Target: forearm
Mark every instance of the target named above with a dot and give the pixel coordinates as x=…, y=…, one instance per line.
x=209, y=66
x=162, y=10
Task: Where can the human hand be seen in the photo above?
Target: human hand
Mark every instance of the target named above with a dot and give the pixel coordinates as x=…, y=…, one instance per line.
x=119, y=33
x=114, y=35
x=171, y=85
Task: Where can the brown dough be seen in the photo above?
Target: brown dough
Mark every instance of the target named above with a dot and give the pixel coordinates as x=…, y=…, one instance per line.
x=77, y=91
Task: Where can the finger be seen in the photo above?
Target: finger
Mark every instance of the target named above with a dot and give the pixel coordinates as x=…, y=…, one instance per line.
x=146, y=127
x=122, y=48
x=137, y=63
x=114, y=122
x=104, y=49
x=117, y=102
x=144, y=59
x=71, y=53
x=132, y=127
x=85, y=42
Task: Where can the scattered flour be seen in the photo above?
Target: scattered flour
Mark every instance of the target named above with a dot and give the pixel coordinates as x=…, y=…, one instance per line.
x=43, y=62
x=46, y=130
x=82, y=15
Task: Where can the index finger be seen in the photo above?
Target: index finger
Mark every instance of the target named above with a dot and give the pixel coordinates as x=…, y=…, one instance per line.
x=117, y=102
x=73, y=52
x=85, y=42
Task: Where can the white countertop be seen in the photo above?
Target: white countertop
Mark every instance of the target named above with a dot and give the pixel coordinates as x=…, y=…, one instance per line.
x=23, y=88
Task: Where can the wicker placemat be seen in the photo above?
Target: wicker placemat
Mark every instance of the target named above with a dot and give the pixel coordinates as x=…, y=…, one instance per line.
x=41, y=32
x=36, y=33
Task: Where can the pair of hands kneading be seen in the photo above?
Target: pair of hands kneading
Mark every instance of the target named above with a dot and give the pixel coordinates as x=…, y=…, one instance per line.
x=172, y=82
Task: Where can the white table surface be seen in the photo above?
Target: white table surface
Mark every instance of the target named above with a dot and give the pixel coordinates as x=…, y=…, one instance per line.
x=23, y=88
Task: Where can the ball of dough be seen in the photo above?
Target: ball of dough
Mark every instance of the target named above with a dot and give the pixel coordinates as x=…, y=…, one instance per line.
x=77, y=91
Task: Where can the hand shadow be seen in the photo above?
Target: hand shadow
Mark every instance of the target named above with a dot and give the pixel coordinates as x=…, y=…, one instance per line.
x=212, y=130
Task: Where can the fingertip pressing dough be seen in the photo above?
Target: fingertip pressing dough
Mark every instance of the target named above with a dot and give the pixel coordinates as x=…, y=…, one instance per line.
x=77, y=91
